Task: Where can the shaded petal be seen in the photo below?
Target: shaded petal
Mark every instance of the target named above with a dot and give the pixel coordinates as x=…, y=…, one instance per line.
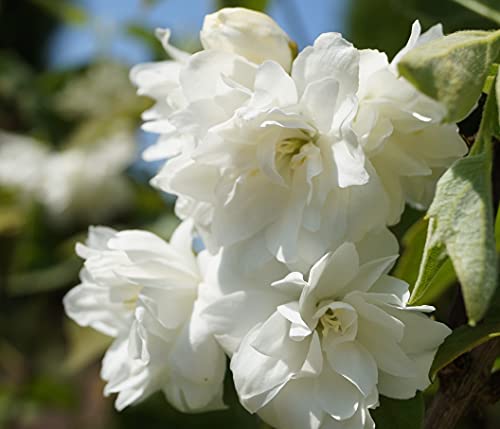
x=386, y=351
x=369, y=273
x=272, y=335
x=354, y=362
x=258, y=378
x=336, y=395
x=293, y=408
x=298, y=329
x=90, y=305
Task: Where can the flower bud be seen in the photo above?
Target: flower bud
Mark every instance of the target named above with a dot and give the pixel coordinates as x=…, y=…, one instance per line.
x=248, y=33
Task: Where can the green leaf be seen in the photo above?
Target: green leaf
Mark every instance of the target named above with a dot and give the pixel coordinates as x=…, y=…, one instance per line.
x=398, y=414
x=461, y=224
x=481, y=9
x=407, y=269
x=453, y=69
x=49, y=392
x=497, y=232
x=85, y=346
x=260, y=5
x=497, y=90
x=466, y=338
x=413, y=243
x=435, y=274
x=490, y=80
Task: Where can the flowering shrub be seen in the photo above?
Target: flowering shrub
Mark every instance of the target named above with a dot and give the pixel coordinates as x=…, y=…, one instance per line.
x=290, y=166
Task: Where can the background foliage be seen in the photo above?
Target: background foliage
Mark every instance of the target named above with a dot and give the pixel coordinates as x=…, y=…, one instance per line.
x=48, y=365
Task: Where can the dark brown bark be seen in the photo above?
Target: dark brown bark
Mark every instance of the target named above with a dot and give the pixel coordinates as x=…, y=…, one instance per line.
x=462, y=384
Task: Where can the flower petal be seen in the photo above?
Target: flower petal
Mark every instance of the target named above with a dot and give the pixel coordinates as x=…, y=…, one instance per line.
x=354, y=362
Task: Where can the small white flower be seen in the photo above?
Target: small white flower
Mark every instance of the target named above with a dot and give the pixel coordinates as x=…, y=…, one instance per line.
x=79, y=183
x=147, y=294
x=22, y=161
x=251, y=34
x=316, y=352
x=88, y=183
x=401, y=130
x=160, y=81
x=184, y=89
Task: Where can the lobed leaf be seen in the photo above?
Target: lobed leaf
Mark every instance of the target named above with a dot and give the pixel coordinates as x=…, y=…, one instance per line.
x=453, y=69
x=461, y=224
x=466, y=338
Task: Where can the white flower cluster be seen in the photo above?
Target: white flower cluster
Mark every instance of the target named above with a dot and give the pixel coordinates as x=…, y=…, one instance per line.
x=290, y=168
x=74, y=183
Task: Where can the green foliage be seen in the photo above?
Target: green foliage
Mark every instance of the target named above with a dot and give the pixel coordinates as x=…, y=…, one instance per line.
x=465, y=338
x=497, y=90
x=46, y=357
x=398, y=414
x=43, y=280
x=11, y=220
x=408, y=264
x=461, y=223
x=453, y=69
x=385, y=24
x=413, y=243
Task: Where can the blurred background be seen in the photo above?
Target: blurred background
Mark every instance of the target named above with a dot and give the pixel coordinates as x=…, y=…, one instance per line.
x=69, y=118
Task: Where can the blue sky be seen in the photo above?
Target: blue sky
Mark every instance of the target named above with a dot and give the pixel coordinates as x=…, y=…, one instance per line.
x=72, y=46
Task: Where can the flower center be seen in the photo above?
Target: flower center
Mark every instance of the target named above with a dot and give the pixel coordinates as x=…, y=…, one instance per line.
x=330, y=321
x=130, y=303
x=291, y=151
x=290, y=146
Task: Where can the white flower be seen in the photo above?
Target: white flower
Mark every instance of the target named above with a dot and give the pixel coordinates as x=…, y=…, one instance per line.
x=251, y=34
x=88, y=182
x=185, y=93
x=285, y=168
x=21, y=163
x=401, y=130
x=79, y=183
x=160, y=81
x=316, y=352
x=147, y=294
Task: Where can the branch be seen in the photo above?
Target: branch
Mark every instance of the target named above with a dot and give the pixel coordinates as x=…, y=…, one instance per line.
x=462, y=383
